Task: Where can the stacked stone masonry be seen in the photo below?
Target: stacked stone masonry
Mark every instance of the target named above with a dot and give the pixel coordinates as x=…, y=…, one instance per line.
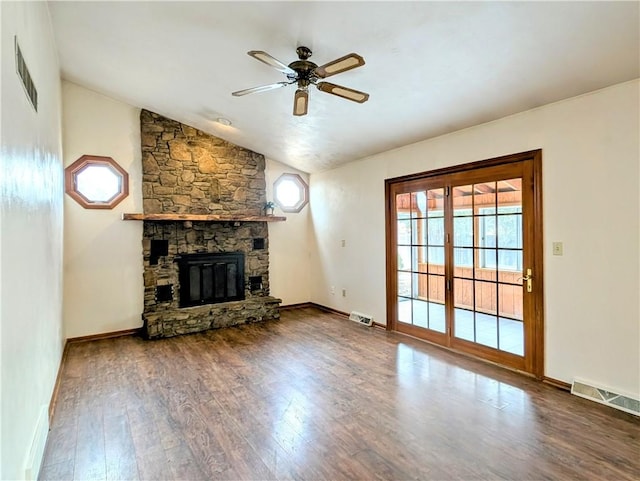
x=213, y=316
x=188, y=171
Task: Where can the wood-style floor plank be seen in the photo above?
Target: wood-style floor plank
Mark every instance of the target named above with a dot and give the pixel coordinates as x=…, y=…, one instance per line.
x=120, y=458
x=312, y=397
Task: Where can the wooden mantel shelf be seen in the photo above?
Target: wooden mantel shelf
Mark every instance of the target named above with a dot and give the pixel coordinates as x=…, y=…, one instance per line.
x=203, y=218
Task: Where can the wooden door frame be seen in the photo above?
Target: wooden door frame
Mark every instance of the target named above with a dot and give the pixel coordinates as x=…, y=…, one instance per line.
x=536, y=366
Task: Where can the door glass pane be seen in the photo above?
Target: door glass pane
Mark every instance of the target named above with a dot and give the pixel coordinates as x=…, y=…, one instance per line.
x=487, y=330
x=435, y=202
x=404, y=310
x=420, y=258
x=415, y=287
x=404, y=258
x=509, y=230
x=488, y=258
x=511, y=336
x=435, y=231
x=463, y=231
x=463, y=293
x=463, y=324
x=436, y=317
x=436, y=268
x=420, y=313
x=436, y=289
x=510, y=299
x=486, y=297
x=436, y=296
x=484, y=195
x=404, y=232
x=403, y=206
x=404, y=284
x=462, y=261
x=487, y=231
x=462, y=200
x=419, y=232
x=510, y=193
x=435, y=256
x=435, y=234
x=485, y=319
x=508, y=259
x=483, y=272
x=418, y=204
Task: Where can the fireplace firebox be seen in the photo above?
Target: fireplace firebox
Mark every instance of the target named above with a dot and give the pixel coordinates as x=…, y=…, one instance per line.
x=210, y=278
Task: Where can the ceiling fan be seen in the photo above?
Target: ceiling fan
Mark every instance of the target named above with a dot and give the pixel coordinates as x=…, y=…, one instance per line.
x=305, y=73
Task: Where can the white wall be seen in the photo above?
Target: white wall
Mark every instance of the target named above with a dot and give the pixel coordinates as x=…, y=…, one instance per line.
x=591, y=203
x=31, y=190
x=289, y=272
x=103, y=286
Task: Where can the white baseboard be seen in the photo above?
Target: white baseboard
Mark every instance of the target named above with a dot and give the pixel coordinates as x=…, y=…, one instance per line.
x=39, y=440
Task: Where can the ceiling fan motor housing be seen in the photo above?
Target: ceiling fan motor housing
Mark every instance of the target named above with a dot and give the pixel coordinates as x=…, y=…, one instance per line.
x=304, y=68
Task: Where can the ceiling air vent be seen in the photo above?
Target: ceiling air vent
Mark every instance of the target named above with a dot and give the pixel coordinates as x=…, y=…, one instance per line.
x=361, y=318
x=25, y=76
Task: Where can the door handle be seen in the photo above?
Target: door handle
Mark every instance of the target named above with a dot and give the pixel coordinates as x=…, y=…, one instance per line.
x=529, y=279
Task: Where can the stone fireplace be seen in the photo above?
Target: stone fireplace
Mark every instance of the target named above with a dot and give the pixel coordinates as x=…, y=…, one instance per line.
x=213, y=271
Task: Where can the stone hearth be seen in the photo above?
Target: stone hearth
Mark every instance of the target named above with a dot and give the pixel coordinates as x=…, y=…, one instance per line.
x=188, y=171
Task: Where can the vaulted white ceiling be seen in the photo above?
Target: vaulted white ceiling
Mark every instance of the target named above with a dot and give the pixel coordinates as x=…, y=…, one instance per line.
x=431, y=67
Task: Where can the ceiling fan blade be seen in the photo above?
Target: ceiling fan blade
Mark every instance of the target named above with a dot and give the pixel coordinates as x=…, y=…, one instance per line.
x=264, y=57
x=344, y=92
x=262, y=88
x=300, y=102
x=342, y=64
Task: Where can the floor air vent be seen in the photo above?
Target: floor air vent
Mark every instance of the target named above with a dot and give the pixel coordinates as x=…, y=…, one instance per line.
x=364, y=319
x=604, y=396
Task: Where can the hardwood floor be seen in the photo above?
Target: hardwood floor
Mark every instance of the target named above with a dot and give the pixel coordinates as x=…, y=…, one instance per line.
x=315, y=397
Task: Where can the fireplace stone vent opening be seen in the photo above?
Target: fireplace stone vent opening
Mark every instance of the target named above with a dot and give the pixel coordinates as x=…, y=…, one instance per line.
x=164, y=293
x=211, y=278
x=255, y=283
x=159, y=248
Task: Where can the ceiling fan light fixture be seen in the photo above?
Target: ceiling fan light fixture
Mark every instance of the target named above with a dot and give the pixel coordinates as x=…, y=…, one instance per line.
x=300, y=102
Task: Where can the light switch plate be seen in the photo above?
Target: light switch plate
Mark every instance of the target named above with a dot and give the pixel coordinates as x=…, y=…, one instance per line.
x=557, y=248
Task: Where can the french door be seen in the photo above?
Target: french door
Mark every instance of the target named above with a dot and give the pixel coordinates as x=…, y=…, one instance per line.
x=464, y=259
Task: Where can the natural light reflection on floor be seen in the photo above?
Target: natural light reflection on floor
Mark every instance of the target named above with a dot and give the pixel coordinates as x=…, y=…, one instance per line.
x=289, y=429
x=414, y=367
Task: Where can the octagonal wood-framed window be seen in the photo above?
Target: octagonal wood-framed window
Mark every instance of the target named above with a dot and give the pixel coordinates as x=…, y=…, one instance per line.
x=291, y=192
x=96, y=182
